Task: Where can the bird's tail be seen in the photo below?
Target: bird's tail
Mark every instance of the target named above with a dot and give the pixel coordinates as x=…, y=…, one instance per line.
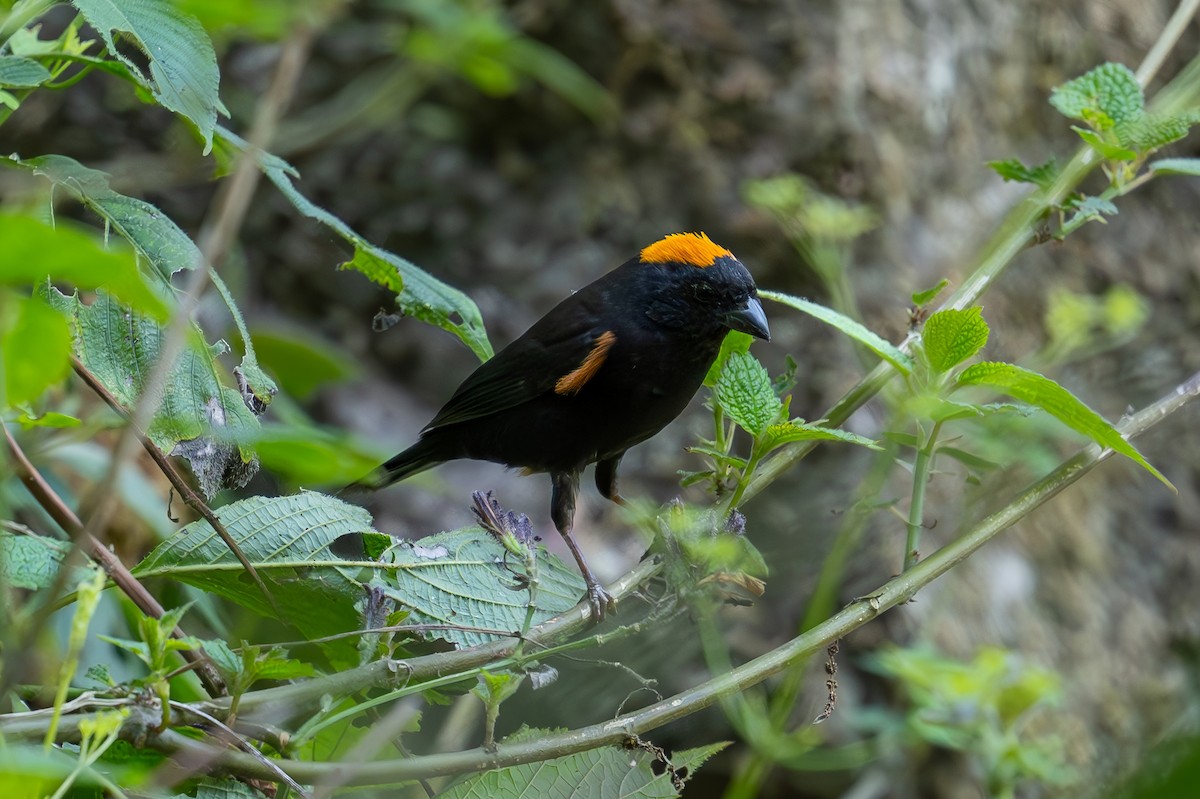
x=417, y=458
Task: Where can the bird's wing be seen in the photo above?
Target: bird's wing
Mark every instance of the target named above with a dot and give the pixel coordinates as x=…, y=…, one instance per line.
x=550, y=355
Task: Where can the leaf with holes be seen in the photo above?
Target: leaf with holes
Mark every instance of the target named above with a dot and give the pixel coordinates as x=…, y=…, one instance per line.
x=1044, y=393
x=463, y=577
x=183, y=66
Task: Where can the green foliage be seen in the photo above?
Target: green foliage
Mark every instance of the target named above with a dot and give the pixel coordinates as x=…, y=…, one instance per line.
x=952, y=336
x=982, y=708
x=1105, y=97
x=745, y=393
x=851, y=328
x=923, y=298
x=30, y=561
x=35, y=348
x=183, y=67
x=1013, y=169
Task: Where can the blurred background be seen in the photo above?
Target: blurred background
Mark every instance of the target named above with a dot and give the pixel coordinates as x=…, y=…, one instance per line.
x=518, y=150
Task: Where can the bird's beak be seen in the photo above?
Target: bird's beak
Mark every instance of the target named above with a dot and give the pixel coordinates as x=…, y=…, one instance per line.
x=750, y=319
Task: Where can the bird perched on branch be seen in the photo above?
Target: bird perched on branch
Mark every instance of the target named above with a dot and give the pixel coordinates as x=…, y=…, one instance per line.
x=605, y=369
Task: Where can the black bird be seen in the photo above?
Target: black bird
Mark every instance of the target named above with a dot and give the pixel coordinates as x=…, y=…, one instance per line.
x=605, y=369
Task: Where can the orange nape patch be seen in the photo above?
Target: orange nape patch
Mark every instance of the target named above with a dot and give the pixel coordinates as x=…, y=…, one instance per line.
x=577, y=378
x=696, y=249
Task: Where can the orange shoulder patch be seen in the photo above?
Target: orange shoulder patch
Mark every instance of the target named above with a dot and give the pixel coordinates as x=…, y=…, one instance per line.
x=696, y=249
x=577, y=378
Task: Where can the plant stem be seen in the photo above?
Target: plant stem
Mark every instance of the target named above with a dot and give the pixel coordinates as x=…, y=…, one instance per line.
x=916, y=511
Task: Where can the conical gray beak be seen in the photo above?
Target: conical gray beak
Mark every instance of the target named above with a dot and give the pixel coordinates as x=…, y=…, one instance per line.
x=749, y=319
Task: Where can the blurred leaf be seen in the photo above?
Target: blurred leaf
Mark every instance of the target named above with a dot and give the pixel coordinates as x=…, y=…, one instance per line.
x=199, y=418
x=311, y=455
x=265, y=20
x=951, y=336
x=745, y=393
x=1044, y=393
x=151, y=232
x=463, y=577
x=34, y=251
x=47, y=419
x=30, y=561
x=1148, y=133
x=1088, y=209
x=1015, y=170
x=302, y=361
x=22, y=73
x=183, y=67
x=845, y=324
x=606, y=772
x=1176, y=166
x=1109, y=150
x=419, y=293
x=921, y=298
x=35, y=348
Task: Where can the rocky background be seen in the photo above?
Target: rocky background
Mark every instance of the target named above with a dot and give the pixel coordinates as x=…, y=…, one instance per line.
x=519, y=189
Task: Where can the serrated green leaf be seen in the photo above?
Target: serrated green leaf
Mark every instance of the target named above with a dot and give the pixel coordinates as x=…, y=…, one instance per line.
x=1110, y=89
x=30, y=561
x=606, y=773
x=151, y=232
x=735, y=341
x=797, y=430
x=1013, y=169
x=183, y=66
x=1108, y=150
x=1044, y=393
x=745, y=393
x=67, y=252
x=845, y=324
x=199, y=417
x=1176, y=166
x=921, y=298
x=419, y=294
x=22, y=73
x=35, y=348
x=951, y=336
x=1148, y=133
x=463, y=577
x=287, y=539
x=1091, y=209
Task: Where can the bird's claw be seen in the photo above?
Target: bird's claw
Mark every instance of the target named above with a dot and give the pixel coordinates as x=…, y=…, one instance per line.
x=600, y=601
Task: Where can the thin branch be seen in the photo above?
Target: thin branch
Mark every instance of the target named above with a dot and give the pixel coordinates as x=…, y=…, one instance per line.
x=53, y=504
x=1167, y=40
x=190, y=497
x=895, y=592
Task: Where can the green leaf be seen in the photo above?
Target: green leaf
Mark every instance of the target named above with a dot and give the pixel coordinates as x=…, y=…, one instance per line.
x=606, y=772
x=798, y=430
x=1110, y=90
x=951, y=336
x=1044, y=393
x=35, y=348
x=199, y=418
x=183, y=67
x=877, y=344
x=151, y=232
x=1176, y=166
x=34, y=251
x=47, y=419
x=22, y=73
x=1149, y=133
x=745, y=393
x=921, y=298
x=1088, y=209
x=302, y=361
x=30, y=561
x=311, y=455
x=419, y=294
x=734, y=341
x=1013, y=169
x=287, y=540
x=1108, y=150
x=463, y=577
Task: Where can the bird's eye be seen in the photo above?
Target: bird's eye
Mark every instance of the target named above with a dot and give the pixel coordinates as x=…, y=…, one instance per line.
x=704, y=291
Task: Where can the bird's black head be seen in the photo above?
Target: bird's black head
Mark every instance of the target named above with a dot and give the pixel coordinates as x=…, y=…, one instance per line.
x=701, y=285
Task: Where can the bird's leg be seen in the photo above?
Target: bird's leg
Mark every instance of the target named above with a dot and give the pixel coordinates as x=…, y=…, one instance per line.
x=606, y=479
x=562, y=511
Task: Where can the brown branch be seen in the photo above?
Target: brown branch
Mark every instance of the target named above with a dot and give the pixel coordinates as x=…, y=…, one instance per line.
x=53, y=504
x=190, y=497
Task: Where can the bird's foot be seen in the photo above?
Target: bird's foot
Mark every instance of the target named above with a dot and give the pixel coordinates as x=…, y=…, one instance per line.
x=600, y=600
